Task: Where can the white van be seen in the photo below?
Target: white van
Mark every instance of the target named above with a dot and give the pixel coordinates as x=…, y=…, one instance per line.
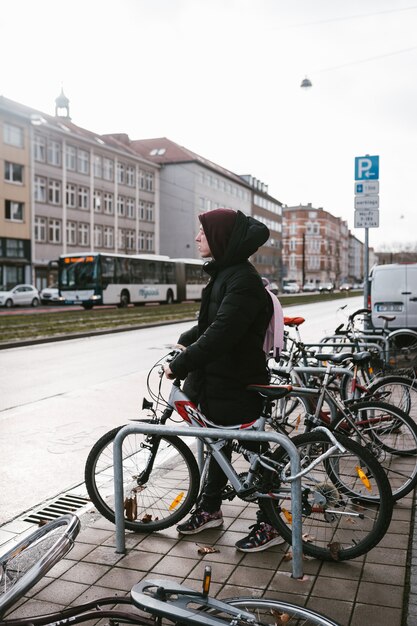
x=393, y=291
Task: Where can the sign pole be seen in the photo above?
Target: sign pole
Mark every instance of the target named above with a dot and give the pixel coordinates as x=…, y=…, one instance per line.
x=366, y=270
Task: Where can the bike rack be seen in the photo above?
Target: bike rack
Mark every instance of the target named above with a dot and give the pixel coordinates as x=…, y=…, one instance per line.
x=212, y=433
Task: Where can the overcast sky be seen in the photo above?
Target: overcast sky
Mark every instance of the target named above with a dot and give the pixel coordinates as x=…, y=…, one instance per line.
x=222, y=78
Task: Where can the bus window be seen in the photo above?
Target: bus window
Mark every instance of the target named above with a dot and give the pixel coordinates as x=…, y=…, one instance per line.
x=107, y=271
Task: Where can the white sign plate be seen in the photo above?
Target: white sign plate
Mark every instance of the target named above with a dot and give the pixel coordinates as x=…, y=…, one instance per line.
x=366, y=219
x=366, y=202
x=367, y=188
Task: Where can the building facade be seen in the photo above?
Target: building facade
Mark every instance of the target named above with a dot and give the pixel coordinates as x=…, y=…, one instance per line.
x=84, y=192
x=191, y=184
x=315, y=246
x=15, y=198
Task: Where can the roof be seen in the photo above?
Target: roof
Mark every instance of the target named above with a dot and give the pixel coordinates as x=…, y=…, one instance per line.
x=65, y=125
x=164, y=151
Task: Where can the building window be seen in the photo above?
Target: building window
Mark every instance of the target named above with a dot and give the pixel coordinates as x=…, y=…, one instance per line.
x=40, y=229
x=82, y=197
x=293, y=244
x=13, y=211
x=54, y=192
x=293, y=262
x=130, y=176
x=98, y=236
x=98, y=166
x=54, y=153
x=149, y=181
x=108, y=169
x=120, y=173
x=40, y=189
x=83, y=163
x=54, y=231
x=71, y=158
x=13, y=172
x=121, y=239
x=108, y=237
x=120, y=205
x=130, y=239
x=149, y=212
x=71, y=196
x=130, y=207
x=72, y=233
x=97, y=202
x=15, y=248
x=13, y=135
x=141, y=241
x=108, y=203
x=149, y=242
x=293, y=228
x=39, y=148
x=83, y=234
x=141, y=210
x=141, y=179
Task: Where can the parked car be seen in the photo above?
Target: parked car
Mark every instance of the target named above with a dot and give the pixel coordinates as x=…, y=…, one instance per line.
x=291, y=286
x=393, y=291
x=310, y=287
x=326, y=287
x=345, y=287
x=51, y=294
x=24, y=295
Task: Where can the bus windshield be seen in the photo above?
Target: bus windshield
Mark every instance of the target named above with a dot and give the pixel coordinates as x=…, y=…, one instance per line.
x=78, y=272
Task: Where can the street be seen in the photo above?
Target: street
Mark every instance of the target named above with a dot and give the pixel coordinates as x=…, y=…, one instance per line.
x=57, y=399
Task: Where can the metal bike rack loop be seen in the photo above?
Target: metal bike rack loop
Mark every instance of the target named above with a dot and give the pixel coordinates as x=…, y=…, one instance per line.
x=212, y=433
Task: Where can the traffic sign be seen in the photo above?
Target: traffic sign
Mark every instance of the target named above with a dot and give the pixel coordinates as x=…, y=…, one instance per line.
x=367, y=168
x=367, y=202
x=367, y=219
x=367, y=188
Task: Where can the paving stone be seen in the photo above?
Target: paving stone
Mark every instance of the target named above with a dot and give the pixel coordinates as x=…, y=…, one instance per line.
x=87, y=573
x=121, y=579
x=373, y=615
x=172, y=565
x=336, y=609
x=103, y=555
x=251, y=577
x=63, y=591
x=386, y=574
x=219, y=572
x=382, y=595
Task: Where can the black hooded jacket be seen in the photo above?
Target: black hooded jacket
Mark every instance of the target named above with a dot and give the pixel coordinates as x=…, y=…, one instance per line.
x=224, y=351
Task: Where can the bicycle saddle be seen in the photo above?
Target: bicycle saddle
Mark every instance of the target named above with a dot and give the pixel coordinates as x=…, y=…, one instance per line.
x=361, y=357
x=334, y=358
x=273, y=392
x=293, y=321
x=387, y=318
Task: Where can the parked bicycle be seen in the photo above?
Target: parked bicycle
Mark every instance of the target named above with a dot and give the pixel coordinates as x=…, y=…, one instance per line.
x=30, y=559
x=346, y=497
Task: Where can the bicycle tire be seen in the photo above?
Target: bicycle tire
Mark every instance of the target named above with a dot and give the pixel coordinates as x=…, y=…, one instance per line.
x=340, y=519
x=268, y=611
x=400, y=391
x=23, y=565
x=391, y=436
x=402, y=351
x=167, y=495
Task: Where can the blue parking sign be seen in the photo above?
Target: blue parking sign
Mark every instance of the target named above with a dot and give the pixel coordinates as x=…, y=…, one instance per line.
x=367, y=168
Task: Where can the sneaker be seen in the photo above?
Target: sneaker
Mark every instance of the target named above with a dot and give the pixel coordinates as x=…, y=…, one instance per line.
x=261, y=537
x=200, y=520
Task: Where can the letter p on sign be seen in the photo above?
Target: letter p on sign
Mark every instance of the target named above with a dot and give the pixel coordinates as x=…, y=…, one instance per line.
x=367, y=168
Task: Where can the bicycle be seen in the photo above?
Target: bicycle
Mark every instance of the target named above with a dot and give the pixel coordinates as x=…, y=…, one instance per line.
x=347, y=501
x=385, y=430
x=30, y=559
x=394, y=350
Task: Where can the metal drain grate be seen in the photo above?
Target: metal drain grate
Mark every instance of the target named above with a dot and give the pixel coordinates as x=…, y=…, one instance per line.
x=64, y=504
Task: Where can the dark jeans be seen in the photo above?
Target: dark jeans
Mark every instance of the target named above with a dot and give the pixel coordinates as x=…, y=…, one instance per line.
x=216, y=480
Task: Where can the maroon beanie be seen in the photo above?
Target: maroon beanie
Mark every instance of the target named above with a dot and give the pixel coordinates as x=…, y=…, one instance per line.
x=218, y=225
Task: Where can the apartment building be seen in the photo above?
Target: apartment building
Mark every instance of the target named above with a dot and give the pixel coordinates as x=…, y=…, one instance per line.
x=356, y=260
x=15, y=197
x=84, y=192
x=315, y=246
x=191, y=184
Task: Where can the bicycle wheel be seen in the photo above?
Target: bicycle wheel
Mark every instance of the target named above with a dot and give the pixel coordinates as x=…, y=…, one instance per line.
x=346, y=499
x=402, y=350
x=276, y=612
x=399, y=391
x=29, y=560
x=391, y=436
x=160, y=479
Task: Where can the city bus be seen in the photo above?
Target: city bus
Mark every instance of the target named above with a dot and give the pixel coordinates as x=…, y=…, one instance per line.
x=100, y=278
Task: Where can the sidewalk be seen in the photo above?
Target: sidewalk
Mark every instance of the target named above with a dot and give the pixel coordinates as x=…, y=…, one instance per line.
x=371, y=590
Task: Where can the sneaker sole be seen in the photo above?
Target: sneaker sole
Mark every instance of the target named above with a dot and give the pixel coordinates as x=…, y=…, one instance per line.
x=214, y=523
x=277, y=541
